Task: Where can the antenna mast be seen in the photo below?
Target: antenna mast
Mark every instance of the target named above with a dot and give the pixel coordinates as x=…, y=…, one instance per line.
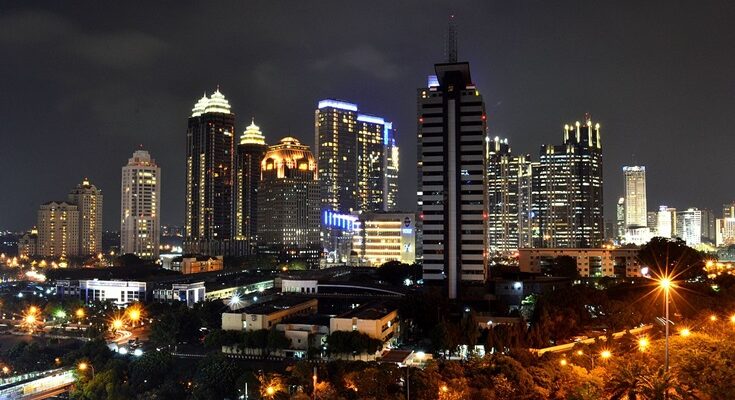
x=452, y=41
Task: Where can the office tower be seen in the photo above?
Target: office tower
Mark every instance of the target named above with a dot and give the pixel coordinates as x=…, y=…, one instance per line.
x=357, y=159
x=453, y=171
x=209, y=163
x=250, y=153
x=140, y=206
x=725, y=231
x=728, y=210
x=666, y=222
x=288, y=202
x=652, y=221
x=89, y=203
x=708, y=226
x=635, y=197
x=569, y=189
x=391, y=168
x=692, y=226
x=620, y=219
x=508, y=208
x=58, y=229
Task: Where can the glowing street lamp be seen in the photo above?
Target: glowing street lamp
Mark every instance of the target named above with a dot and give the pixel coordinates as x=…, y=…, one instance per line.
x=117, y=324
x=685, y=332
x=83, y=366
x=643, y=343
x=666, y=284
x=713, y=318
x=6, y=369
x=79, y=313
x=563, y=362
x=605, y=354
x=732, y=319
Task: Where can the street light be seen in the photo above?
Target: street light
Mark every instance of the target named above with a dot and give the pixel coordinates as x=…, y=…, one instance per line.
x=117, y=324
x=563, y=362
x=666, y=284
x=605, y=354
x=643, y=343
x=684, y=332
x=83, y=367
x=79, y=313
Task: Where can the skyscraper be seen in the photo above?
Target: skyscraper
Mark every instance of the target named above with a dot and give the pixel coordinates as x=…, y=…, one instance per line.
x=288, y=202
x=250, y=153
x=58, y=229
x=689, y=226
x=620, y=219
x=568, y=188
x=452, y=193
x=89, y=204
x=140, y=206
x=635, y=196
x=357, y=158
x=666, y=222
x=209, y=165
x=508, y=200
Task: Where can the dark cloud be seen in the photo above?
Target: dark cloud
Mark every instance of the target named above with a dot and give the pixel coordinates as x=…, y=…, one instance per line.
x=83, y=84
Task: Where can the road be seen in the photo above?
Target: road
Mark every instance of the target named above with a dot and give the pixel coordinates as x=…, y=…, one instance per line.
x=568, y=346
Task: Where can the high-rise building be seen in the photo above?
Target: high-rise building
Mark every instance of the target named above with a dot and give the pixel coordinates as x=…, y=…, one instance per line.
x=140, y=206
x=357, y=158
x=725, y=231
x=210, y=156
x=58, y=229
x=689, y=226
x=288, y=202
x=508, y=199
x=635, y=197
x=666, y=222
x=452, y=196
x=728, y=210
x=89, y=203
x=620, y=219
x=568, y=187
x=250, y=153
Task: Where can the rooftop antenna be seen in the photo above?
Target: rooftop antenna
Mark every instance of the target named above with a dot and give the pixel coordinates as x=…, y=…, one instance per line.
x=452, y=41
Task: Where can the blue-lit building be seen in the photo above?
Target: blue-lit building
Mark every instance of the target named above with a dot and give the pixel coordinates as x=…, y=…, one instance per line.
x=357, y=160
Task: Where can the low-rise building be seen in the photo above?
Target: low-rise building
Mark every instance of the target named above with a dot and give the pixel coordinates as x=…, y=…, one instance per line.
x=266, y=315
x=121, y=293
x=378, y=320
x=592, y=262
x=199, y=264
x=306, y=331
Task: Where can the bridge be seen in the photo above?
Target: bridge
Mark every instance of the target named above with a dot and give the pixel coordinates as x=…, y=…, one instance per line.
x=37, y=385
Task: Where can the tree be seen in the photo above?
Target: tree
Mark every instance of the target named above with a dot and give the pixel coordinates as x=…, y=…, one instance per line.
x=667, y=257
x=150, y=370
x=216, y=378
x=354, y=342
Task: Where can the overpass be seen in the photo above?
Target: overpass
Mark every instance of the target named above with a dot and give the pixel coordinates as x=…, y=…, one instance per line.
x=37, y=385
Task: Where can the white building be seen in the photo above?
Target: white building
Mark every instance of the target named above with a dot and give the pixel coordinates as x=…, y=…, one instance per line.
x=666, y=222
x=377, y=320
x=689, y=226
x=636, y=222
x=725, y=230
x=140, y=206
x=121, y=293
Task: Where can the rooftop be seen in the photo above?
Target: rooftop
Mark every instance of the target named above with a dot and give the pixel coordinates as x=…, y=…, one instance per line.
x=374, y=310
x=269, y=307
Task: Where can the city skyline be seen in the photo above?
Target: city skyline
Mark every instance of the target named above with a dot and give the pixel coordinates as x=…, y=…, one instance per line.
x=368, y=68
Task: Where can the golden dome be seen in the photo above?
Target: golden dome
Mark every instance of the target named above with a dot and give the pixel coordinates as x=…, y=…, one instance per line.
x=288, y=154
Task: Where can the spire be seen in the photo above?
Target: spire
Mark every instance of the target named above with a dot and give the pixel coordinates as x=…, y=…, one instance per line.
x=451, y=41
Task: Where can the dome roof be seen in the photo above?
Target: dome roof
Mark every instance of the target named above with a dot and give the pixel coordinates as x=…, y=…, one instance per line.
x=252, y=134
x=289, y=153
x=217, y=103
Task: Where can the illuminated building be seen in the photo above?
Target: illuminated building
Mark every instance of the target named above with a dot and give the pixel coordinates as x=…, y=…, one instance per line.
x=725, y=231
x=58, y=229
x=209, y=163
x=357, y=158
x=635, y=196
x=383, y=237
x=89, y=203
x=620, y=219
x=728, y=210
x=28, y=244
x=696, y=226
x=509, y=198
x=608, y=261
x=250, y=152
x=140, y=206
x=666, y=222
x=288, y=202
x=199, y=264
x=568, y=189
x=452, y=166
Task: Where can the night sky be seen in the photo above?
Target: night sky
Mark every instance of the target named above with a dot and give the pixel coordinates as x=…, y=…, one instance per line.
x=81, y=87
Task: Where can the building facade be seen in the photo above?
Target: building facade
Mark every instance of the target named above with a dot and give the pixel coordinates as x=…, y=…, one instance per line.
x=209, y=177
x=140, y=219
x=58, y=229
x=666, y=222
x=568, y=189
x=250, y=153
x=452, y=193
x=635, y=196
x=617, y=262
x=288, y=201
x=509, y=198
x=89, y=203
x=383, y=237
